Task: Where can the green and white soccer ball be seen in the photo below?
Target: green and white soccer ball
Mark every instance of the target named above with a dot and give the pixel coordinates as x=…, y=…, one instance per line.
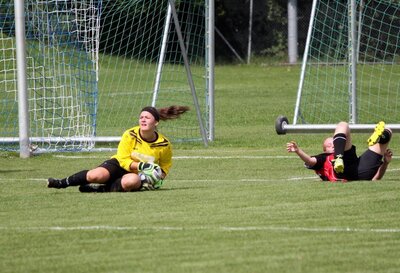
x=151, y=178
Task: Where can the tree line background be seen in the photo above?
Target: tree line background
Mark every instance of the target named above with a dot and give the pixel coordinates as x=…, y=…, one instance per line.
x=269, y=30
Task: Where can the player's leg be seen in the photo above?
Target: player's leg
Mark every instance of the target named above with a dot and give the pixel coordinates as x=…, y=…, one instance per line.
x=382, y=143
x=379, y=132
x=128, y=182
x=371, y=160
x=100, y=174
x=96, y=179
x=369, y=163
x=97, y=175
x=342, y=142
x=101, y=182
x=76, y=179
x=380, y=138
x=93, y=188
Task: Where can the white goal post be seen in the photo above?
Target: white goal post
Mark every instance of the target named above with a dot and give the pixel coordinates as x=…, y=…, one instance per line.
x=87, y=67
x=350, y=69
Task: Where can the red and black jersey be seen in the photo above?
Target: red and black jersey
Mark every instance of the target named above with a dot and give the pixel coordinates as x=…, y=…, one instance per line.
x=324, y=167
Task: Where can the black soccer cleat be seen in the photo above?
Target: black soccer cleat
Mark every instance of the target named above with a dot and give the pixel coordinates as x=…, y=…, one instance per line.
x=93, y=188
x=55, y=183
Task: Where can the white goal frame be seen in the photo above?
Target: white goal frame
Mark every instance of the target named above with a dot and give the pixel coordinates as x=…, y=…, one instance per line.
x=282, y=124
x=25, y=140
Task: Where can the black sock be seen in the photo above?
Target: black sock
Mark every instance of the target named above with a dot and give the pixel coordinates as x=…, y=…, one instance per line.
x=339, y=142
x=385, y=137
x=76, y=179
x=116, y=186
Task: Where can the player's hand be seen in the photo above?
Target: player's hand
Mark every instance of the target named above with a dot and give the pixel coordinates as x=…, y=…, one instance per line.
x=158, y=183
x=387, y=156
x=292, y=147
x=150, y=174
x=151, y=170
x=147, y=167
x=147, y=183
x=150, y=182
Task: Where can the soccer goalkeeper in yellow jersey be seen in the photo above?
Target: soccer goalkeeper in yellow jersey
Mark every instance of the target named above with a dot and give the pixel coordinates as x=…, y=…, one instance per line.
x=142, y=162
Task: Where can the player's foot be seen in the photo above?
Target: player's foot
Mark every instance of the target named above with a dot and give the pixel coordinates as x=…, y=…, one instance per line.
x=55, y=183
x=376, y=135
x=92, y=188
x=338, y=165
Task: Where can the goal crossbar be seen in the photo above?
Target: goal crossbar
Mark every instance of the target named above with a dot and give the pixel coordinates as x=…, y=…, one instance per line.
x=324, y=128
x=351, y=68
x=92, y=65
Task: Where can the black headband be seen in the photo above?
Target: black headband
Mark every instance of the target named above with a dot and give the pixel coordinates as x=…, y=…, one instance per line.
x=153, y=111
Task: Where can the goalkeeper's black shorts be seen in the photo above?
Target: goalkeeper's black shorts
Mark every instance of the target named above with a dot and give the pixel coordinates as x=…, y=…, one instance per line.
x=115, y=170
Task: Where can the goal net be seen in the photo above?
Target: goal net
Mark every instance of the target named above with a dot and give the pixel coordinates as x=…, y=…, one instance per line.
x=351, y=66
x=91, y=66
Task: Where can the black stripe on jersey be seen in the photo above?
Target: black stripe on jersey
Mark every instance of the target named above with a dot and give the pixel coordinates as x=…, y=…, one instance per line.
x=160, y=144
x=133, y=134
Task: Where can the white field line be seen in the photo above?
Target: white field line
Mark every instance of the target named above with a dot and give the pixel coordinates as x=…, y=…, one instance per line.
x=299, y=178
x=210, y=228
x=194, y=157
x=236, y=157
x=199, y=157
x=200, y=180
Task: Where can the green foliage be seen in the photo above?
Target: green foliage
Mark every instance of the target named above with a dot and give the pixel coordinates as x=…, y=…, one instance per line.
x=269, y=27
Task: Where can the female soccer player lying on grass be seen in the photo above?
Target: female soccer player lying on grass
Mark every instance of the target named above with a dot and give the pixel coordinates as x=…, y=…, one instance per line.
x=143, y=159
x=339, y=161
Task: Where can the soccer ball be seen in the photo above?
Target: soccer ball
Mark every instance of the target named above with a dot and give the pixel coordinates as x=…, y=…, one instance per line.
x=152, y=176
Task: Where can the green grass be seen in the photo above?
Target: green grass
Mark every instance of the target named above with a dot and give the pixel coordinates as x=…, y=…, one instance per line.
x=241, y=205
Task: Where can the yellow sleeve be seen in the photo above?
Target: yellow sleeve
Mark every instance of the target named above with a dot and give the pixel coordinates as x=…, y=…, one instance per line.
x=124, y=151
x=165, y=160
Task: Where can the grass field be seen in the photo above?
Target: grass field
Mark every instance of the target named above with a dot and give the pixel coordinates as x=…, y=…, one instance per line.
x=241, y=205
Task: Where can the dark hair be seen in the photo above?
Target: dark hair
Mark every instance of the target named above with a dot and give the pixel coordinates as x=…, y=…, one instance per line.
x=166, y=113
x=152, y=110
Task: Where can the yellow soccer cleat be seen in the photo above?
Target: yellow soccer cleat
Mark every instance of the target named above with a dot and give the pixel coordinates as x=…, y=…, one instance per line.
x=374, y=138
x=338, y=164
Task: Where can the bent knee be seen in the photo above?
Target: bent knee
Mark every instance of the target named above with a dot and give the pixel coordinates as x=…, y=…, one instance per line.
x=343, y=125
x=98, y=175
x=131, y=182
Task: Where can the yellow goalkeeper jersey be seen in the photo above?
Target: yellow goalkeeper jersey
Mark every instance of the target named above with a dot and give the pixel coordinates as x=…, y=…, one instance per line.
x=133, y=148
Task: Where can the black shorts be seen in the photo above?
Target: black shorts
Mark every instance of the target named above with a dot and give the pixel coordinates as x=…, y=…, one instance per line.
x=369, y=165
x=113, y=167
x=360, y=168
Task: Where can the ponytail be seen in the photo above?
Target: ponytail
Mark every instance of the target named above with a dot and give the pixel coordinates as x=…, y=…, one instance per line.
x=172, y=112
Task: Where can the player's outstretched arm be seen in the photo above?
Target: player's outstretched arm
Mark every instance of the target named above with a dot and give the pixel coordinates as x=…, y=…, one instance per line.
x=292, y=147
x=387, y=157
